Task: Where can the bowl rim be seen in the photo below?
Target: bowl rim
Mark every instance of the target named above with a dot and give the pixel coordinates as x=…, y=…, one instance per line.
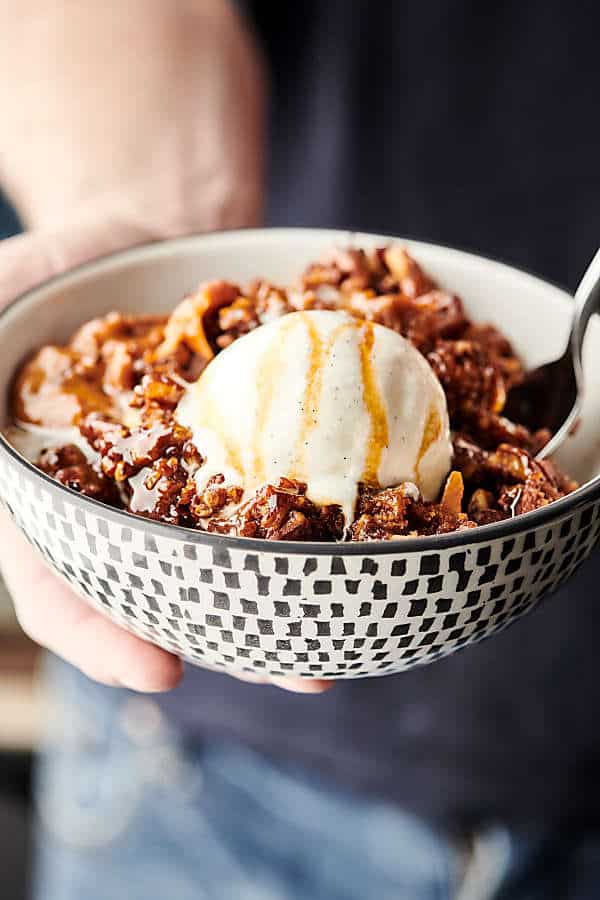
x=553, y=512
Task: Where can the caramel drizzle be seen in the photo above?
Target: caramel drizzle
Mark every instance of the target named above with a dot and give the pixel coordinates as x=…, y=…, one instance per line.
x=379, y=435
x=319, y=352
x=42, y=401
x=431, y=433
x=314, y=385
x=266, y=386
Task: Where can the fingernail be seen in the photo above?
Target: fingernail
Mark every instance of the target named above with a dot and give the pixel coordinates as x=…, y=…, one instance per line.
x=300, y=686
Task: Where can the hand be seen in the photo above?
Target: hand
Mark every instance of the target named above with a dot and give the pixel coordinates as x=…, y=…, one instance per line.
x=145, y=111
x=122, y=122
x=49, y=612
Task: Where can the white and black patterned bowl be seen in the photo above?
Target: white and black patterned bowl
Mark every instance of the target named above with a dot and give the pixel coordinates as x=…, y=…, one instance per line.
x=311, y=610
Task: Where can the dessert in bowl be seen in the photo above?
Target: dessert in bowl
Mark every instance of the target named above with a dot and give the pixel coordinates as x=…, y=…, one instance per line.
x=301, y=505
x=359, y=403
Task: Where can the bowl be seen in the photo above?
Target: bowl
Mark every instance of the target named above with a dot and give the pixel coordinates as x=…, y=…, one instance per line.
x=304, y=609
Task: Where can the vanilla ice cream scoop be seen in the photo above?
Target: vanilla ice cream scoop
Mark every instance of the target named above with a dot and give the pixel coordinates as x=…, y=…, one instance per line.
x=324, y=398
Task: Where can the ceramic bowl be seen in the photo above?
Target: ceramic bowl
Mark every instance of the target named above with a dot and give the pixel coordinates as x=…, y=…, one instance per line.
x=309, y=610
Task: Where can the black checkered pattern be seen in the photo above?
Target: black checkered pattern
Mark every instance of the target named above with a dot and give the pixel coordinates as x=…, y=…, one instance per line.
x=328, y=616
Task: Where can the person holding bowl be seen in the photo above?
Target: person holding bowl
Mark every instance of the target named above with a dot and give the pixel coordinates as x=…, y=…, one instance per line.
x=127, y=123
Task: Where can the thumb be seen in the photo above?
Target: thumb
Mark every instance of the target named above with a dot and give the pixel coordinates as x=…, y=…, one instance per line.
x=30, y=258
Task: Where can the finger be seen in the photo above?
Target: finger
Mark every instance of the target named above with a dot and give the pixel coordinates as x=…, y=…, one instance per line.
x=30, y=258
x=54, y=617
x=295, y=685
x=48, y=610
x=302, y=685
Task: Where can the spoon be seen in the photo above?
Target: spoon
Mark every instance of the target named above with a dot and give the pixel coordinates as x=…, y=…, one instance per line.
x=551, y=395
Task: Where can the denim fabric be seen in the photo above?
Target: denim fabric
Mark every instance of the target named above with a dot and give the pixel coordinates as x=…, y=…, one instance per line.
x=127, y=810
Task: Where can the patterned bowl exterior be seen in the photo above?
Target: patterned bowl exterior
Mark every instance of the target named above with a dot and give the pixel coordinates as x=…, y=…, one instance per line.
x=310, y=610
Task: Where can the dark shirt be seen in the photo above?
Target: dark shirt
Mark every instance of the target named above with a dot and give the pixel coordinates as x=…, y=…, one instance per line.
x=476, y=125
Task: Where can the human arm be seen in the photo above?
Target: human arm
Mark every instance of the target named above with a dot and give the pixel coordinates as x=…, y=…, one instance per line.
x=122, y=123
x=146, y=112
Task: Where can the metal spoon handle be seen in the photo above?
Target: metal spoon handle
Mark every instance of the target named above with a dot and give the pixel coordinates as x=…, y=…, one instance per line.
x=587, y=301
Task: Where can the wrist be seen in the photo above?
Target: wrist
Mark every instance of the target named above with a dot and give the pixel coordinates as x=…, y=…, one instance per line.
x=145, y=111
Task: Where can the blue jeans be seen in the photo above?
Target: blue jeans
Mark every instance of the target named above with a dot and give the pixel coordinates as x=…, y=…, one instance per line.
x=127, y=811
